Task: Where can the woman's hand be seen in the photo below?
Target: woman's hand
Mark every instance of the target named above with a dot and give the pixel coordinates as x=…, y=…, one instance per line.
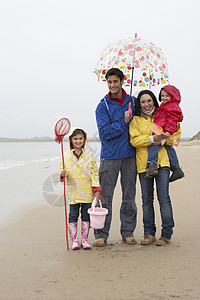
x=158, y=138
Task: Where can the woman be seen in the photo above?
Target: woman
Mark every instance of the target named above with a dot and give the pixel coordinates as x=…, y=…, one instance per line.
x=141, y=137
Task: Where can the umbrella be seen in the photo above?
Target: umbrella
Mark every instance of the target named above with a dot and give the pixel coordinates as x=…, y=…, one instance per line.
x=142, y=63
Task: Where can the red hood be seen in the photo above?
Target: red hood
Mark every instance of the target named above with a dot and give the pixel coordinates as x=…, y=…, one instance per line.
x=173, y=92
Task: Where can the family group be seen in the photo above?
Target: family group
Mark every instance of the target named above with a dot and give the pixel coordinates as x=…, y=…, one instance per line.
x=128, y=147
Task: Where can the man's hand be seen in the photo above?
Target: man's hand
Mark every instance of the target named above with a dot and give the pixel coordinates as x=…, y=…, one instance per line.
x=127, y=116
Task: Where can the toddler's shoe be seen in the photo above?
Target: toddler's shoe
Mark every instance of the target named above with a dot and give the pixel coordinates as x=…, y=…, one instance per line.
x=148, y=239
x=162, y=241
x=152, y=170
x=177, y=174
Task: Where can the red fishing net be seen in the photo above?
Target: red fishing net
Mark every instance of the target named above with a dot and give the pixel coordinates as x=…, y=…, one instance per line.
x=62, y=128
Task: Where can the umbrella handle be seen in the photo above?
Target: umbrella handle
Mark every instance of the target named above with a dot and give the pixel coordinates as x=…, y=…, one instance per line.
x=130, y=110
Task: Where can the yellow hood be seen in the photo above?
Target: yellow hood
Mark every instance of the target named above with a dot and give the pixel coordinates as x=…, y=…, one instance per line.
x=70, y=134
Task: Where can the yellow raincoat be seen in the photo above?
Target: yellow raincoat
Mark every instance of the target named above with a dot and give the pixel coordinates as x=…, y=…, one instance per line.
x=140, y=131
x=81, y=174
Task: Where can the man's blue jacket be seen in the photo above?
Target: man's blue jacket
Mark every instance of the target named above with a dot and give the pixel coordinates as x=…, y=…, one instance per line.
x=113, y=130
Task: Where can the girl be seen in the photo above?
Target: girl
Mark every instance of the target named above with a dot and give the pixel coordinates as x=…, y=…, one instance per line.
x=81, y=171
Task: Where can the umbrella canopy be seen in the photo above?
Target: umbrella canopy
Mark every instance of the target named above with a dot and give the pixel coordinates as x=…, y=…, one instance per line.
x=147, y=60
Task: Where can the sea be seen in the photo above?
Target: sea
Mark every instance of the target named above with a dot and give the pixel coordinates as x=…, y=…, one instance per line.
x=16, y=154
x=29, y=175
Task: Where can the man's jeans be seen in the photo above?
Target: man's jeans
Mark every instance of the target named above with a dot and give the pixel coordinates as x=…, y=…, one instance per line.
x=108, y=174
x=162, y=187
x=153, y=156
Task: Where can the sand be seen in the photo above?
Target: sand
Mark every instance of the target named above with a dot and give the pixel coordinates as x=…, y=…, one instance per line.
x=35, y=263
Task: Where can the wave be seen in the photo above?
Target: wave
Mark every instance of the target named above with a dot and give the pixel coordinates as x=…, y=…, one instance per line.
x=7, y=164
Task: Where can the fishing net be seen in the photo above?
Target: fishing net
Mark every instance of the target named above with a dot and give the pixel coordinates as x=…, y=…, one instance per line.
x=62, y=128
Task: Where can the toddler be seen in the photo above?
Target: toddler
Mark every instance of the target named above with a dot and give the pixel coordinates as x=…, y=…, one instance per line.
x=167, y=116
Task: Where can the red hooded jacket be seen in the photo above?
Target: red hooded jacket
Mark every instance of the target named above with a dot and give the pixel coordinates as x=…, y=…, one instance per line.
x=169, y=113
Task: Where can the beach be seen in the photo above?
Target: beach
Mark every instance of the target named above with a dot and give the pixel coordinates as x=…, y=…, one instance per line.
x=35, y=263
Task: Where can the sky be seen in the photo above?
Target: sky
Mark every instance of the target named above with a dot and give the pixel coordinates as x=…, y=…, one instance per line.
x=49, y=49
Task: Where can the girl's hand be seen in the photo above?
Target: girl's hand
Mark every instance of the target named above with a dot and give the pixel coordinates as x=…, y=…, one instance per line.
x=97, y=195
x=63, y=173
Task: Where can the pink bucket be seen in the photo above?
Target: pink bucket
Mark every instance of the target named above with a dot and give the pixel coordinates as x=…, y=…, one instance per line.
x=97, y=215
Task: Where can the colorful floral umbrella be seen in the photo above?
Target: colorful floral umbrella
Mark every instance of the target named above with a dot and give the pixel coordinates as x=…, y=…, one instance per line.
x=147, y=61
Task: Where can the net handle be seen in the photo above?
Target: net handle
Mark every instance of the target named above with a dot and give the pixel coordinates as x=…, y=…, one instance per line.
x=59, y=139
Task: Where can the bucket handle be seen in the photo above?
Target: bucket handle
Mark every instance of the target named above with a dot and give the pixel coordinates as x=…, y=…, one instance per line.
x=95, y=202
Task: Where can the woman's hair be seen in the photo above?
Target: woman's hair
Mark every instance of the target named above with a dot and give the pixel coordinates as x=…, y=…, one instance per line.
x=138, y=111
x=76, y=132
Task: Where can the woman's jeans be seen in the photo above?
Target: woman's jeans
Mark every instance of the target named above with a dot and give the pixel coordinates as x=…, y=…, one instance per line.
x=162, y=187
x=108, y=173
x=74, y=212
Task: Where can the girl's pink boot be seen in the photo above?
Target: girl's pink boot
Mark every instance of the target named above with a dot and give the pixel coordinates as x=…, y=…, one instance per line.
x=73, y=234
x=84, y=235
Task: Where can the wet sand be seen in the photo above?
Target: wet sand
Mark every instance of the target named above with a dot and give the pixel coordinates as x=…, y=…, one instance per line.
x=35, y=263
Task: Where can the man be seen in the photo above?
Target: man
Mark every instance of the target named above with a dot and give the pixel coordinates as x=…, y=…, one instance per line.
x=117, y=156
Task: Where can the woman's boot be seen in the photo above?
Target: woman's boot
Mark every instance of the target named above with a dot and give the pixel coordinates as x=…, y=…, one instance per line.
x=73, y=234
x=84, y=235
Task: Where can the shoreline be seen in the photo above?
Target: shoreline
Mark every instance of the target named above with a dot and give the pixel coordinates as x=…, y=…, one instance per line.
x=38, y=140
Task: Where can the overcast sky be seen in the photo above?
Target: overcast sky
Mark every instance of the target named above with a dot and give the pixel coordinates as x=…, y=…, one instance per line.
x=49, y=49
